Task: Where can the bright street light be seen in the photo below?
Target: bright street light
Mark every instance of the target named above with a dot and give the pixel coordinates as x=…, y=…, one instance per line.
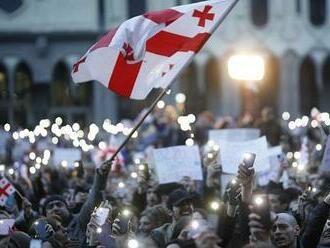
x=246, y=67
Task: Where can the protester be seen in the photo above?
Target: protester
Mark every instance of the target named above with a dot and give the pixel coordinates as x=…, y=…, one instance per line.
x=123, y=203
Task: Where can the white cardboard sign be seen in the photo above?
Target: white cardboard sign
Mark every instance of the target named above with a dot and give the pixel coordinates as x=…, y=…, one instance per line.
x=173, y=163
x=234, y=135
x=231, y=154
x=66, y=154
x=6, y=225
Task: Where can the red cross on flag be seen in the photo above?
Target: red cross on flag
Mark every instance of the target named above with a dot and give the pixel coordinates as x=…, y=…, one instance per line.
x=135, y=57
x=6, y=189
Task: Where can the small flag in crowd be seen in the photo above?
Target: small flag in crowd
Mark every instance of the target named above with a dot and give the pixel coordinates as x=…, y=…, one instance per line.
x=150, y=50
x=6, y=190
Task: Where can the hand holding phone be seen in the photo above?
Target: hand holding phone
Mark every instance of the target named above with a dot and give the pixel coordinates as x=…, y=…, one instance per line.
x=42, y=229
x=102, y=213
x=249, y=159
x=261, y=207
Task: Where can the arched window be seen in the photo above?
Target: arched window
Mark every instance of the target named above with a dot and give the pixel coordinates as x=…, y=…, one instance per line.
x=22, y=94
x=3, y=95
x=3, y=83
x=213, y=84
x=308, y=87
x=259, y=12
x=269, y=87
x=324, y=96
x=318, y=12
x=60, y=87
x=188, y=86
x=136, y=7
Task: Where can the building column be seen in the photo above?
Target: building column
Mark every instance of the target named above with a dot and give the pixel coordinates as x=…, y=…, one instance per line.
x=289, y=95
x=319, y=57
x=11, y=63
x=201, y=60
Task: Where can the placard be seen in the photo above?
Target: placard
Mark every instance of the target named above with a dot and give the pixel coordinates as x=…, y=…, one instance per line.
x=66, y=154
x=6, y=226
x=173, y=163
x=234, y=135
x=232, y=153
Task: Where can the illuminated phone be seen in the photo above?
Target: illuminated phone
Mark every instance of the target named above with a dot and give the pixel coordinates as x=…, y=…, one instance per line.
x=124, y=219
x=35, y=243
x=40, y=228
x=102, y=215
x=261, y=207
x=249, y=159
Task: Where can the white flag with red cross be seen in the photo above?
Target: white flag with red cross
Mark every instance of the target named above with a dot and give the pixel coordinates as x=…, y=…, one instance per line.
x=6, y=189
x=150, y=50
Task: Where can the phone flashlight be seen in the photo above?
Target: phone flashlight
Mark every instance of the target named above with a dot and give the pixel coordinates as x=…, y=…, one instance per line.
x=133, y=243
x=215, y=205
x=258, y=200
x=249, y=159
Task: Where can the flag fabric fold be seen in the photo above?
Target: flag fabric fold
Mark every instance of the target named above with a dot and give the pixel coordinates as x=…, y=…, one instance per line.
x=6, y=190
x=150, y=50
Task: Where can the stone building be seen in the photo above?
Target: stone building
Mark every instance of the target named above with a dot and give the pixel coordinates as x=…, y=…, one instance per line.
x=41, y=39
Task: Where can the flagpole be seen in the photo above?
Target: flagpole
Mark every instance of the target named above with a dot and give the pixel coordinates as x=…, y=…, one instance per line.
x=109, y=161
x=152, y=106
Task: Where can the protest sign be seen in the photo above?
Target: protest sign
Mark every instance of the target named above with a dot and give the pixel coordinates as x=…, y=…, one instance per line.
x=6, y=226
x=69, y=155
x=173, y=163
x=231, y=154
x=325, y=165
x=234, y=135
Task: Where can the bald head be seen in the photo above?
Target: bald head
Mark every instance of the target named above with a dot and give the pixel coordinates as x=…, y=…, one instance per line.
x=288, y=218
x=285, y=231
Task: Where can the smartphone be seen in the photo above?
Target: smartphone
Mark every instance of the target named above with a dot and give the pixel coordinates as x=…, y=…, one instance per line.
x=249, y=159
x=102, y=215
x=144, y=170
x=196, y=228
x=261, y=207
x=35, y=243
x=40, y=228
x=6, y=225
x=123, y=222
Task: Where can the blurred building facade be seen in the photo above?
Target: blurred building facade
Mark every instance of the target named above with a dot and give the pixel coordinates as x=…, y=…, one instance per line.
x=41, y=39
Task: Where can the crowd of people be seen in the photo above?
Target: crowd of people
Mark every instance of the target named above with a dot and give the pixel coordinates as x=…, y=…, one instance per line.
x=120, y=203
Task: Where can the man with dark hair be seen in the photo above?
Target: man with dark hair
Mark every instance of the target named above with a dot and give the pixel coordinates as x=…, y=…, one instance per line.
x=279, y=200
x=180, y=204
x=76, y=223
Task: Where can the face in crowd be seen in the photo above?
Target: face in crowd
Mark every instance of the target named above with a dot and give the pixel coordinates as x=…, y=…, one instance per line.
x=325, y=238
x=152, y=198
x=146, y=225
x=276, y=205
x=285, y=231
x=184, y=208
x=58, y=208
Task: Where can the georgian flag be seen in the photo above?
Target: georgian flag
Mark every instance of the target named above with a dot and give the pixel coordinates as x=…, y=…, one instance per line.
x=6, y=189
x=150, y=50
